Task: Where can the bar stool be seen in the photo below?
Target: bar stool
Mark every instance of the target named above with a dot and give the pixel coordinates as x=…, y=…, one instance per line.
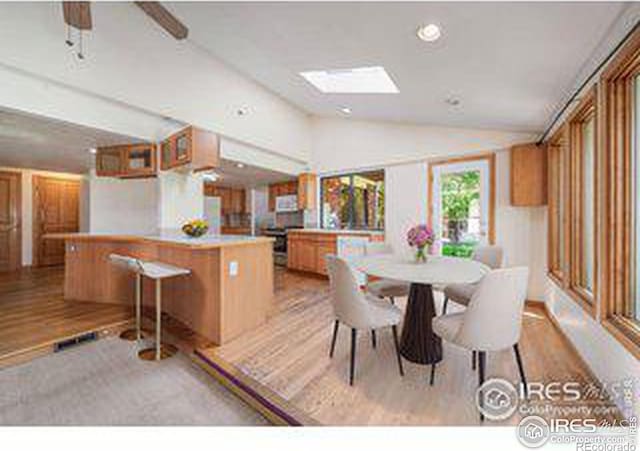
x=156, y=271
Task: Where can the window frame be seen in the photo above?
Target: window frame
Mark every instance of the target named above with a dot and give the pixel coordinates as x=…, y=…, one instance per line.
x=586, y=111
x=617, y=99
x=351, y=204
x=558, y=218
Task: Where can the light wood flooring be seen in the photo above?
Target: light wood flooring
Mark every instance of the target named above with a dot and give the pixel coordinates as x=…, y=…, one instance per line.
x=34, y=315
x=287, y=361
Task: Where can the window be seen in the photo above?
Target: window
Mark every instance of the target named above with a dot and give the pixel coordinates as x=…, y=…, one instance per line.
x=557, y=179
x=582, y=126
x=353, y=201
x=620, y=312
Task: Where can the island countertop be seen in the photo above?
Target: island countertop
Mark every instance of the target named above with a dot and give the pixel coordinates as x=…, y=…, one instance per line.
x=168, y=237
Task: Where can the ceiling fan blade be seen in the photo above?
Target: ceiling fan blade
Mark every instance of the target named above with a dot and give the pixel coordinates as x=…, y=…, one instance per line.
x=77, y=14
x=165, y=19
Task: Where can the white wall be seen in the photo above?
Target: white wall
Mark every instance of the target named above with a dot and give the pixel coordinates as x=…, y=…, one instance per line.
x=126, y=51
x=340, y=144
x=518, y=230
x=181, y=198
x=123, y=206
x=27, y=206
x=345, y=145
x=607, y=358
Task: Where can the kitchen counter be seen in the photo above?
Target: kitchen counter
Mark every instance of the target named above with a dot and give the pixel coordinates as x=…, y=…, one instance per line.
x=308, y=247
x=228, y=292
x=339, y=232
x=167, y=237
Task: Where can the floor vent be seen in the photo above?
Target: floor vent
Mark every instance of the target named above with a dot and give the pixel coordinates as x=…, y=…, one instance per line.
x=71, y=342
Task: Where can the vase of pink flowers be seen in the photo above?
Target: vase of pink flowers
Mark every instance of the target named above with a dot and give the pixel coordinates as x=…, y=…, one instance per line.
x=421, y=237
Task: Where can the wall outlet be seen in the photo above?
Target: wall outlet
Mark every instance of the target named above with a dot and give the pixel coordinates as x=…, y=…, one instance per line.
x=233, y=268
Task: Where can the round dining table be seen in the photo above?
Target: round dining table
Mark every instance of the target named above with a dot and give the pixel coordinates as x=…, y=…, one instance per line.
x=418, y=343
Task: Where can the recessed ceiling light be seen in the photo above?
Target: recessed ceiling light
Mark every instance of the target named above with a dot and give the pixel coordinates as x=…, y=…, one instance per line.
x=360, y=80
x=93, y=150
x=345, y=110
x=429, y=33
x=240, y=165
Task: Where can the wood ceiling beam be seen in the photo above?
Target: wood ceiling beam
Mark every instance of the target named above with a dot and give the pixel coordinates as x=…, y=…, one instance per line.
x=165, y=19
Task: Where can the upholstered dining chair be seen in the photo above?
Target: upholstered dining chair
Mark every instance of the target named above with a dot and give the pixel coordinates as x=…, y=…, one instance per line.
x=385, y=288
x=358, y=310
x=493, y=319
x=461, y=293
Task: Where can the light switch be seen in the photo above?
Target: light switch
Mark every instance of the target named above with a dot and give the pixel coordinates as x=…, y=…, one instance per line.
x=233, y=268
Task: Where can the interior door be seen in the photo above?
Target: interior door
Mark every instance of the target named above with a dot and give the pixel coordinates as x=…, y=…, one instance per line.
x=55, y=210
x=10, y=221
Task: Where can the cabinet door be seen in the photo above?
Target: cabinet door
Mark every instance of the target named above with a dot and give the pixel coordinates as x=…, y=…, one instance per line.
x=182, y=153
x=307, y=255
x=139, y=160
x=109, y=162
x=272, y=197
x=166, y=154
x=293, y=254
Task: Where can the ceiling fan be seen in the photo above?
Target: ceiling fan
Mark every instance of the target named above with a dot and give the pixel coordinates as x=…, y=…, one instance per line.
x=78, y=15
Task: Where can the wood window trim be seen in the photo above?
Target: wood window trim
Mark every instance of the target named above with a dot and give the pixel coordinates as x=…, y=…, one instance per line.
x=585, y=112
x=491, y=158
x=558, y=152
x=616, y=98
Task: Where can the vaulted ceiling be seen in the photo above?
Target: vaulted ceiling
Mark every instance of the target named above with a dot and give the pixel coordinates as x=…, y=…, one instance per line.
x=509, y=64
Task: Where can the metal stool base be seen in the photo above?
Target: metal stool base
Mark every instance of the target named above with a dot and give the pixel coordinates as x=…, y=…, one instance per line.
x=166, y=350
x=130, y=334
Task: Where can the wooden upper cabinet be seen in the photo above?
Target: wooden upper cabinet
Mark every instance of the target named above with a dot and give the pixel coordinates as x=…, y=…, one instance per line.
x=528, y=175
x=307, y=183
x=193, y=148
x=232, y=200
x=109, y=161
x=139, y=160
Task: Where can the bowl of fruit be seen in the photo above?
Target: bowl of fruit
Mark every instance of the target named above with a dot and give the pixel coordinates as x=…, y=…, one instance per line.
x=195, y=228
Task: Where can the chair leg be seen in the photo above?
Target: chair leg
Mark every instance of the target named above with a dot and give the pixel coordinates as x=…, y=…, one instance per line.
x=393, y=301
x=521, y=369
x=444, y=306
x=352, y=367
x=373, y=338
x=481, y=367
x=433, y=373
x=473, y=360
x=334, y=338
x=394, y=329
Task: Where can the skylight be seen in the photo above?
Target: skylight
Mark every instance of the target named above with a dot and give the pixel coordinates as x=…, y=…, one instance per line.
x=361, y=80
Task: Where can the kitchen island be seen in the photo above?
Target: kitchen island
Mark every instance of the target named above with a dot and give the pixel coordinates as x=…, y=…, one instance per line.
x=229, y=290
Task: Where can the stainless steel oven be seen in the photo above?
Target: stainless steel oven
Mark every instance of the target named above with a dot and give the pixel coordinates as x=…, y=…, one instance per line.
x=280, y=243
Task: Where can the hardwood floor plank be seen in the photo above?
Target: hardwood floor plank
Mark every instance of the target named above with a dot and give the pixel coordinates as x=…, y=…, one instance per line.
x=288, y=356
x=34, y=314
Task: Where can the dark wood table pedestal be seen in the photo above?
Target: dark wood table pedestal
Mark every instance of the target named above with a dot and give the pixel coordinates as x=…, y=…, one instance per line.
x=418, y=343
